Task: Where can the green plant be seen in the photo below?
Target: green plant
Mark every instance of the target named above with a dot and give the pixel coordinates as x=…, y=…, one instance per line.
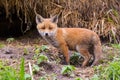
x=117, y=46
x=9, y=40
x=10, y=73
x=68, y=70
x=22, y=75
x=112, y=72
x=115, y=12
x=109, y=72
x=7, y=72
x=26, y=51
x=78, y=78
x=110, y=19
x=27, y=77
x=43, y=78
x=75, y=58
x=1, y=45
x=22, y=70
x=42, y=58
x=36, y=68
x=44, y=48
x=37, y=50
x=95, y=77
x=41, y=49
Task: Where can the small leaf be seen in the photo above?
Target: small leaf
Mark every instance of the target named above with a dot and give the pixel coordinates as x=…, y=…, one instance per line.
x=95, y=77
x=36, y=68
x=42, y=78
x=26, y=51
x=116, y=46
x=37, y=50
x=42, y=58
x=67, y=70
x=27, y=77
x=78, y=78
x=115, y=12
x=1, y=45
x=71, y=67
x=44, y=48
x=9, y=40
x=64, y=70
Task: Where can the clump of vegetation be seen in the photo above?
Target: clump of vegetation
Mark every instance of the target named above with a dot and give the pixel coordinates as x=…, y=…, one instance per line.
x=9, y=40
x=109, y=72
x=10, y=73
x=75, y=59
x=112, y=72
x=68, y=70
x=26, y=51
x=78, y=78
x=7, y=72
x=1, y=45
x=39, y=56
x=42, y=58
x=41, y=49
x=116, y=46
x=36, y=68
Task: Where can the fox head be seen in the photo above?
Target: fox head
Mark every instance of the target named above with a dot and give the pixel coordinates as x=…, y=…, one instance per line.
x=47, y=27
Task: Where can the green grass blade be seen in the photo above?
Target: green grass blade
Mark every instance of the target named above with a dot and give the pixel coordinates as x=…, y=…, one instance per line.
x=22, y=70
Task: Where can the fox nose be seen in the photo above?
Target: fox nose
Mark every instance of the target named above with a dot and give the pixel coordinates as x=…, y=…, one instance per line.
x=46, y=34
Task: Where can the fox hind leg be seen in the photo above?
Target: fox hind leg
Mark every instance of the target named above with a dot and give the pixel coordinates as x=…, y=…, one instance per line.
x=97, y=54
x=85, y=54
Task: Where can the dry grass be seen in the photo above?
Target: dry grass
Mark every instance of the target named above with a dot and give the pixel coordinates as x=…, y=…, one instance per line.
x=101, y=16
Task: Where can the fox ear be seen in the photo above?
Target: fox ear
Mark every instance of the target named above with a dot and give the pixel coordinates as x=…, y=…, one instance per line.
x=39, y=19
x=54, y=19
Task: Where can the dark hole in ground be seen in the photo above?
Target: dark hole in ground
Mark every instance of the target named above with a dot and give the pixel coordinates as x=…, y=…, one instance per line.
x=12, y=25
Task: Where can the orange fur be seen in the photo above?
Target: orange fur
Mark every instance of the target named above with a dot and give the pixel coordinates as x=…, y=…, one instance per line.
x=84, y=41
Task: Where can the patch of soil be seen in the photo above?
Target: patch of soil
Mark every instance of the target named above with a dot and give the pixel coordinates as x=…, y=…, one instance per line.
x=14, y=52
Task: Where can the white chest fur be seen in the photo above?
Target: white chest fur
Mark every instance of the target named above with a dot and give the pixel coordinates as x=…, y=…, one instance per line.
x=52, y=41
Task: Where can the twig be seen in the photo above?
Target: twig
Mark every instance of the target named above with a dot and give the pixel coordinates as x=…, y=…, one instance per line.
x=57, y=5
x=30, y=68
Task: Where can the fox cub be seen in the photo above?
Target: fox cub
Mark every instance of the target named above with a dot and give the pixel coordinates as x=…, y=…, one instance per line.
x=84, y=41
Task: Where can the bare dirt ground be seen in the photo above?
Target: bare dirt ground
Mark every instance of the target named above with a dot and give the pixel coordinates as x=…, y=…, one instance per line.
x=12, y=52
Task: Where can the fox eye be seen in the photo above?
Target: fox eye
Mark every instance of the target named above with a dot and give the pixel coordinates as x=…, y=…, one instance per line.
x=50, y=28
x=43, y=27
